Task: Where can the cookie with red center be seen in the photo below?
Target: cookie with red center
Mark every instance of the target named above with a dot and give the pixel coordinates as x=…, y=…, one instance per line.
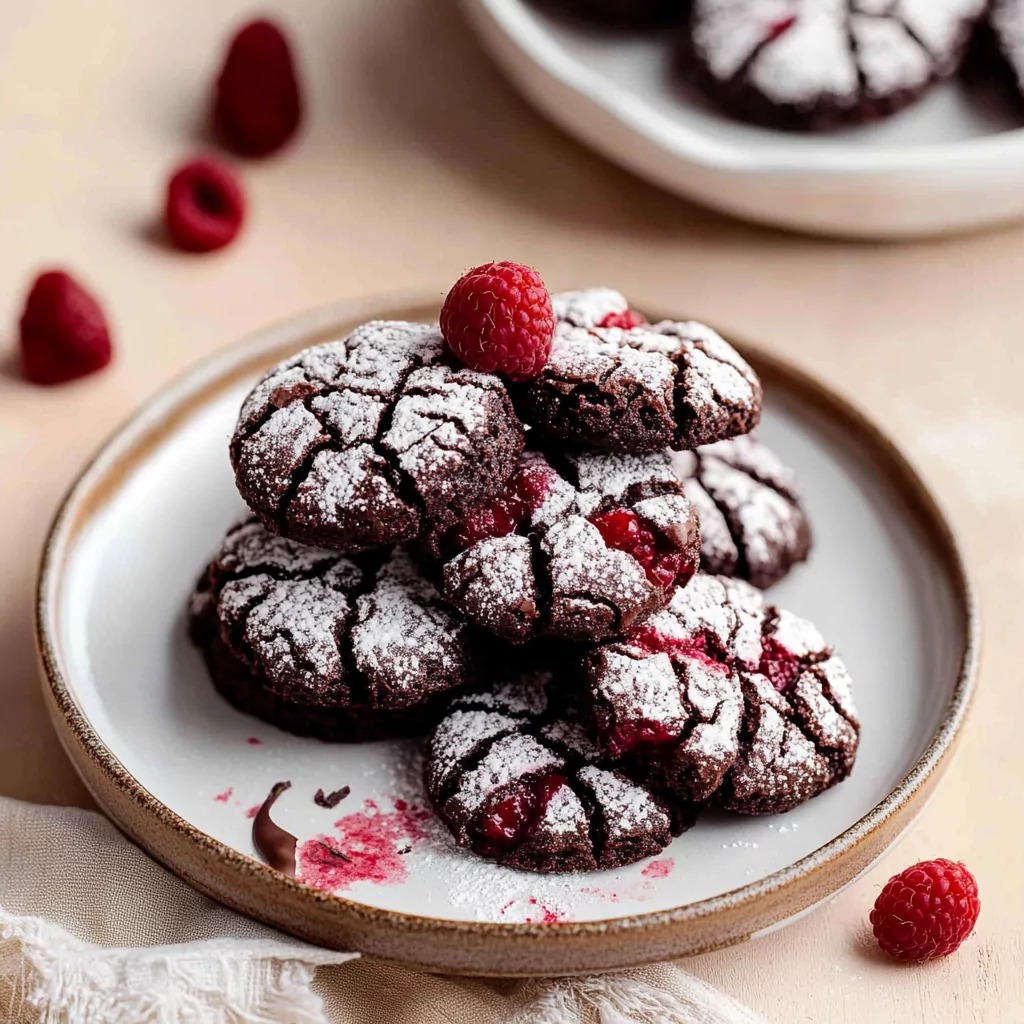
x=324, y=645
x=373, y=439
x=497, y=318
x=205, y=206
x=63, y=333
x=257, y=101
x=926, y=911
x=752, y=523
x=580, y=546
x=516, y=778
x=627, y=14
x=617, y=383
x=724, y=698
x=820, y=64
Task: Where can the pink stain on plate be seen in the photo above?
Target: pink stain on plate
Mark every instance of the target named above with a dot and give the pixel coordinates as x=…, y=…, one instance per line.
x=659, y=868
x=254, y=740
x=253, y=811
x=367, y=846
x=538, y=912
x=640, y=890
x=547, y=914
x=223, y=798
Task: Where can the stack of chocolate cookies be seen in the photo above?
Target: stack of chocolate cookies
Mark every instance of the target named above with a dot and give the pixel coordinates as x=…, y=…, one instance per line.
x=554, y=580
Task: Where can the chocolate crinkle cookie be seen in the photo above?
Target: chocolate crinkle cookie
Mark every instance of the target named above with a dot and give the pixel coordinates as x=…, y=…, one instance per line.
x=723, y=698
x=752, y=524
x=630, y=14
x=517, y=779
x=615, y=382
x=369, y=440
x=325, y=645
x=580, y=546
x=819, y=64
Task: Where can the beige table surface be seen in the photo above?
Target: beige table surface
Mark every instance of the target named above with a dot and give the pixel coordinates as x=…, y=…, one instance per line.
x=417, y=162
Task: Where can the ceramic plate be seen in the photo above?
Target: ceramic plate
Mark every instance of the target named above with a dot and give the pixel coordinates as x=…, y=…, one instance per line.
x=181, y=772
x=953, y=161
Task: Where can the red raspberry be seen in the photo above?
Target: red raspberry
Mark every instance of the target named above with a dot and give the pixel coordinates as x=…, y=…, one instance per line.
x=665, y=565
x=498, y=317
x=926, y=911
x=63, y=331
x=507, y=822
x=627, y=320
x=205, y=206
x=258, y=105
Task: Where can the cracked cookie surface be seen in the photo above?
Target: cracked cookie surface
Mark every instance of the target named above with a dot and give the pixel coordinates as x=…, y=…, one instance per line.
x=580, y=546
x=326, y=645
x=752, y=524
x=516, y=778
x=637, y=389
x=819, y=64
x=371, y=439
x=722, y=698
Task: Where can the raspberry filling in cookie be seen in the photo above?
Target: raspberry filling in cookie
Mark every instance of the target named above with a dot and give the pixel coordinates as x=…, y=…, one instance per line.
x=779, y=664
x=626, y=320
x=700, y=647
x=507, y=821
x=508, y=513
x=776, y=28
x=665, y=565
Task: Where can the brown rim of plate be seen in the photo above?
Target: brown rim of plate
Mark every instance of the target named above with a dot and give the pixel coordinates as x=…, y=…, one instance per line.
x=131, y=443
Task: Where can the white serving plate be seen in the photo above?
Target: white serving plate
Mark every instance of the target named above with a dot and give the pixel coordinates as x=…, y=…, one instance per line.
x=952, y=162
x=177, y=768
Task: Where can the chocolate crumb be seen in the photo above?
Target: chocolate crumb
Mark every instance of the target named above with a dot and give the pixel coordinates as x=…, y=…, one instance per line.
x=335, y=853
x=332, y=799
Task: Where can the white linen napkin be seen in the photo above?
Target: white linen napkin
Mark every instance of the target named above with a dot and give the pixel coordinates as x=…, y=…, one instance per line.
x=93, y=930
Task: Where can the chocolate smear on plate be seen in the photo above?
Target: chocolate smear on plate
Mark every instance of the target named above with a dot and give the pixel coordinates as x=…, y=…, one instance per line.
x=275, y=845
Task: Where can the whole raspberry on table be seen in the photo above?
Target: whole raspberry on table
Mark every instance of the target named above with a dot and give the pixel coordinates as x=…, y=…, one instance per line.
x=258, y=102
x=498, y=318
x=926, y=911
x=63, y=332
x=205, y=206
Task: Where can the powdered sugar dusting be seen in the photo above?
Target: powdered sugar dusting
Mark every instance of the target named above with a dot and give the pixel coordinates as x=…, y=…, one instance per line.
x=588, y=308
x=625, y=806
x=510, y=758
x=813, y=52
x=606, y=478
